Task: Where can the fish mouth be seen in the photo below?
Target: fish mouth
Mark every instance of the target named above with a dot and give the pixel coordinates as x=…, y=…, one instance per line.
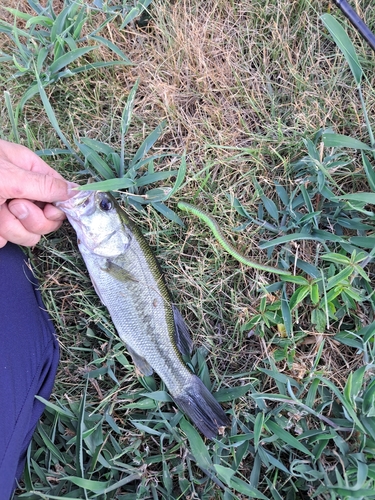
x=78, y=204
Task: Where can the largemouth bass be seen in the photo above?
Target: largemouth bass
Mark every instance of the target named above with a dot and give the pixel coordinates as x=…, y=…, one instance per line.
x=129, y=282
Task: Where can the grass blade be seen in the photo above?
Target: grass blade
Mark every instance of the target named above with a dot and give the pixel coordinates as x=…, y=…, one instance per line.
x=111, y=46
x=344, y=44
x=287, y=438
x=343, y=141
x=108, y=185
x=69, y=57
x=12, y=117
x=52, y=118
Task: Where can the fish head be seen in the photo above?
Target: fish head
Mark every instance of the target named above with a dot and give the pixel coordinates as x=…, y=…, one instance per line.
x=98, y=222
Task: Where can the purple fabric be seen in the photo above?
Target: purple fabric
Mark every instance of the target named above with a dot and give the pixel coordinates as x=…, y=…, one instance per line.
x=29, y=357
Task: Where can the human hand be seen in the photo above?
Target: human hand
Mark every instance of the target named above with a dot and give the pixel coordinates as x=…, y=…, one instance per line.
x=28, y=186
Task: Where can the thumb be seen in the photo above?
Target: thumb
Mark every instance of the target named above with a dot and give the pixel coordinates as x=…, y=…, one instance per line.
x=20, y=183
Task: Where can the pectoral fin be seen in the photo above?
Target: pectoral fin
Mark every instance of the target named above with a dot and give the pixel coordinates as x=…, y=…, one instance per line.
x=140, y=363
x=119, y=273
x=182, y=337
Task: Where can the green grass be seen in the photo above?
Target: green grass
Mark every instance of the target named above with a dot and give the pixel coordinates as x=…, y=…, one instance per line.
x=254, y=93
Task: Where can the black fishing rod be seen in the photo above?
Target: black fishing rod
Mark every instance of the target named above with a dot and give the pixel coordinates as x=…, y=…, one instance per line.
x=357, y=22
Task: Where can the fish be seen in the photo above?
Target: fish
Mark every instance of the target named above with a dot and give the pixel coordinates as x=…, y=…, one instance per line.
x=129, y=282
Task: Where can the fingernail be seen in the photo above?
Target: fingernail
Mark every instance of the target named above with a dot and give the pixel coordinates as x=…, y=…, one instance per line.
x=19, y=210
x=72, y=188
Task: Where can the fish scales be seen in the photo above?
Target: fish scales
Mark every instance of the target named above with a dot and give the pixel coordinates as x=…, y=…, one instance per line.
x=138, y=311
x=129, y=282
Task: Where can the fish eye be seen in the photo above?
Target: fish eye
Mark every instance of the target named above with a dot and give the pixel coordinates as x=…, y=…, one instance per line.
x=105, y=204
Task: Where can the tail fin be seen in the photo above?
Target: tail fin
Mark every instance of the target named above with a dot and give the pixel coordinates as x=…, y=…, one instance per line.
x=201, y=407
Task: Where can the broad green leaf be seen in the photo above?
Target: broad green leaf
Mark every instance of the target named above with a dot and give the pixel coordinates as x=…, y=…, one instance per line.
x=50, y=445
x=350, y=492
x=108, y=185
x=42, y=20
x=231, y=393
x=319, y=319
x=363, y=241
x=43, y=53
x=349, y=339
x=343, y=141
x=298, y=296
x=314, y=293
x=80, y=429
x=271, y=208
x=12, y=30
x=354, y=384
x=224, y=473
x=340, y=277
x=56, y=409
x=167, y=212
x=246, y=489
x=147, y=144
x=155, y=177
x=286, y=437
x=99, y=147
x=89, y=67
x=311, y=395
x=180, y=176
x=345, y=45
x=59, y=23
x=336, y=257
x=368, y=404
x=321, y=236
x=346, y=404
x=111, y=46
x=157, y=194
x=258, y=427
x=135, y=12
x=18, y=13
x=268, y=457
x=128, y=109
x=51, y=116
x=146, y=429
x=280, y=377
x=326, y=236
x=198, y=448
x=162, y=396
x=96, y=161
x=87, y=484
x=285, y=311
x=69, y=57
x=80, y=20
x=361, y=197
x=370, y=173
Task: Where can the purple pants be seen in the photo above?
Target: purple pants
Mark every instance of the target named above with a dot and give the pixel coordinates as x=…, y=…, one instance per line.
x=29, y=355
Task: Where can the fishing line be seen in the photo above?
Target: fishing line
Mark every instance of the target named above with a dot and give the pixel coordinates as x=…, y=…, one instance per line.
x=357, y=22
